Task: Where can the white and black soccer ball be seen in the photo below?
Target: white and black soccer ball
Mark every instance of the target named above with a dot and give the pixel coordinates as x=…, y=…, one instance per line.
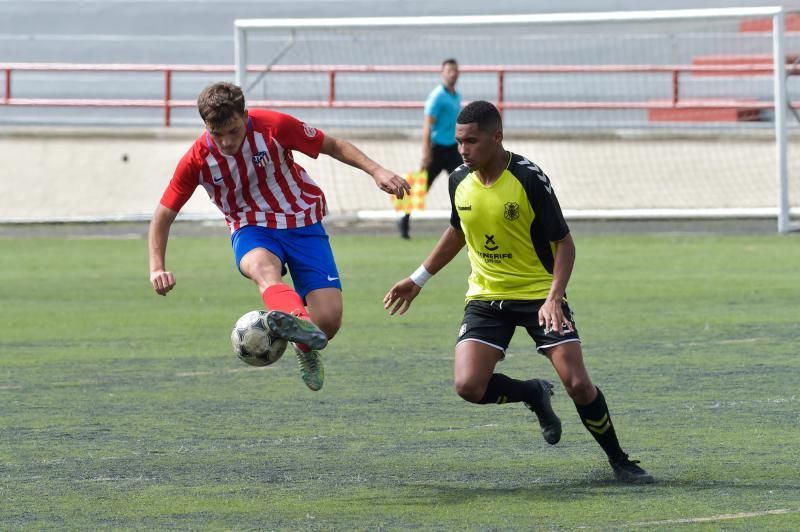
x=253, y=341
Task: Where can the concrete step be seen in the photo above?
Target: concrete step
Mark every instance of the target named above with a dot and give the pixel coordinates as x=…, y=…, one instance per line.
x=744, y=111
x=792, y=23
x=761, y=60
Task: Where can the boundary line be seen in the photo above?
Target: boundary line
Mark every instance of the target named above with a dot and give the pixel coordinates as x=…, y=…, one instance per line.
x=709, y=519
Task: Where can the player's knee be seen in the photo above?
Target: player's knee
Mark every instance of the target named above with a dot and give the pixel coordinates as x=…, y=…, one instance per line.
x=469, y=390
x=263, y=273
x=330, y=326
x=580, y=390
x=328, y=320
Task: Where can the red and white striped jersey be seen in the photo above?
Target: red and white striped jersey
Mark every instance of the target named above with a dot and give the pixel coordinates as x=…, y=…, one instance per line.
x=260, y=185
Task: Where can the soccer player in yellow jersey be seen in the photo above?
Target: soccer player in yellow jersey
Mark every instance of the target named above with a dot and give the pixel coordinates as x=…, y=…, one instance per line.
x=504, y=209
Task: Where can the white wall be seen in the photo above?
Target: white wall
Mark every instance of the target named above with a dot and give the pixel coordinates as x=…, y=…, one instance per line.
x=75, y=174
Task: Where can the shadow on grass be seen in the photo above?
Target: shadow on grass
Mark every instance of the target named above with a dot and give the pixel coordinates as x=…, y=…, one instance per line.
x=563, y=490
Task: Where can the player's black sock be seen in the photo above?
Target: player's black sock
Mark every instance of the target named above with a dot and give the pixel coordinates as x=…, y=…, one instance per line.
x=597, y=420
x=404, y=224
x=503, y=389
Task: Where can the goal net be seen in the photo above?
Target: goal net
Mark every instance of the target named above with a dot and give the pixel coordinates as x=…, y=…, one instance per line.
x=631, y=114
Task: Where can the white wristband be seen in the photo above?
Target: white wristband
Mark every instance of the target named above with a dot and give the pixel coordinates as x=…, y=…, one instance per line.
x=421, y=276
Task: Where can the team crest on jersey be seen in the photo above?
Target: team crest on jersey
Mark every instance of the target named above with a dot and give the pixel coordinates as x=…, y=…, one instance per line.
x=309, y=131
x=511, y=210
x=261, y=159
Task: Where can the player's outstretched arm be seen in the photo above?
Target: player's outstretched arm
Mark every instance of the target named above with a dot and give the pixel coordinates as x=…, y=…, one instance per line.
x=399, y=297
x=386, y=180
x=163, y=281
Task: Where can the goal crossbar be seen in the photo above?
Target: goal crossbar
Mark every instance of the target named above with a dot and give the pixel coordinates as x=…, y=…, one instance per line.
x=506, y=20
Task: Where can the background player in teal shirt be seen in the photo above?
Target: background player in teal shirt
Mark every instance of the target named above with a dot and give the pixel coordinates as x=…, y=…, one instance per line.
x=439, y=147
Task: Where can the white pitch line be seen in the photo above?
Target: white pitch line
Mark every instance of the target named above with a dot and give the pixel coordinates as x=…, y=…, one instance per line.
x=723, y=517
x=741, y=340
x=205, y=373
x=731, y=341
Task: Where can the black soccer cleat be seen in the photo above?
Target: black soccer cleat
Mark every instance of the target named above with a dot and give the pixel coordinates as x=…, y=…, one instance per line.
x=548, y=420
x=627, y=471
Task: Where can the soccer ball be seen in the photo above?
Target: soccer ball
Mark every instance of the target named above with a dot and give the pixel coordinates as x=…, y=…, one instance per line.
x=253, y=341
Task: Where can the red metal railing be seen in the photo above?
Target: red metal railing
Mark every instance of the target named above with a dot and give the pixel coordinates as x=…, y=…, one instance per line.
x=332, y=71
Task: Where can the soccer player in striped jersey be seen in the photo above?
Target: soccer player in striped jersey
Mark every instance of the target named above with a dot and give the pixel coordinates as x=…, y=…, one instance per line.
x=504, y=209
x=274, y=210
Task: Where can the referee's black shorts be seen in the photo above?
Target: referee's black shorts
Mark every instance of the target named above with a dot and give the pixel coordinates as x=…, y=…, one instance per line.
x=443, y=158
x=493, y=323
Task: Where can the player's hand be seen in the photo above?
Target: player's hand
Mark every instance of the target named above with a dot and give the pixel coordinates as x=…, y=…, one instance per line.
x=162, y=281
x=551, y=317
x=399, y=298
x=391, y=183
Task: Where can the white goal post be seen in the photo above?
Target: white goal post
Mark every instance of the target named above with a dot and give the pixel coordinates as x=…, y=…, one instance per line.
x=252, y=60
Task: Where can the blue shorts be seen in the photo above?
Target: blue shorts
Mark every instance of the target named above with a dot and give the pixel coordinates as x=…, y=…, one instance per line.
x=305, y=253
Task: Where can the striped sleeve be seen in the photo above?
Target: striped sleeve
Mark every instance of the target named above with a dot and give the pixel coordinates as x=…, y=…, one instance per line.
x=184, y=180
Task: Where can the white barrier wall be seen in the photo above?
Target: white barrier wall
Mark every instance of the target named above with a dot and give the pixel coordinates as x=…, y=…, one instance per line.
x=81, y=174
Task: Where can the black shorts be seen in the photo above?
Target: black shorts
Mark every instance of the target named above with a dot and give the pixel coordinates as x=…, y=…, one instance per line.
x=493, y=323
x=443, y=158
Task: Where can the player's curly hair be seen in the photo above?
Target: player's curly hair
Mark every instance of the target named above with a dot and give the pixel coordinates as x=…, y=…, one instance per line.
x=219, y=103
x=483, y=113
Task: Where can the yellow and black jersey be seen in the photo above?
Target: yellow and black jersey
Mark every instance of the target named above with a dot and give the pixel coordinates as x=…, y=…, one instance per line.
x=510, y=228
